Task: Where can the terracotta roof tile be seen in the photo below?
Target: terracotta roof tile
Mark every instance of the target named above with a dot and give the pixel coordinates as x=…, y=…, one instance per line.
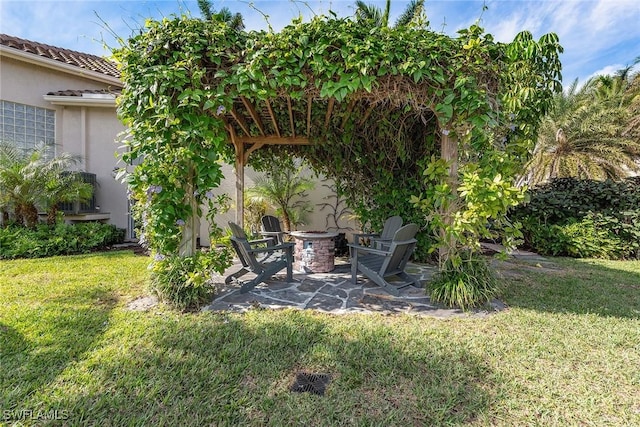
x=71, y=57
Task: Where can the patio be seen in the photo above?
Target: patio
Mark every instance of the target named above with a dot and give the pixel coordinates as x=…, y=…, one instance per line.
x=334, y=293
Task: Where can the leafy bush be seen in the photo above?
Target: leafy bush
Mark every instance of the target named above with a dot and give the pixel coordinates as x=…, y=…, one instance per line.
x=583, y=218
x=60, y=239
x=468, y=284
x=594, y=236
x=564, y=198
x=184, y=282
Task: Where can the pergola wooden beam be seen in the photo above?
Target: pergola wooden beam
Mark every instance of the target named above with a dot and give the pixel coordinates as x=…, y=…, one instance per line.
x=274, y=140
x=253, y=113
x=293, y=125
x=241, y=122
x=327, y=117
x=250, y=150
x=273, y=118
x=239, y=166
x=242, y=157
x=246, y=139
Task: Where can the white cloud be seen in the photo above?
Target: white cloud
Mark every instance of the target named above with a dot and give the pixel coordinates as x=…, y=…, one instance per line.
x=607, y=71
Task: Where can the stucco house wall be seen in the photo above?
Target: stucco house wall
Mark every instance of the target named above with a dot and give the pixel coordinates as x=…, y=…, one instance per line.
x=83, y=126
x=322, y=199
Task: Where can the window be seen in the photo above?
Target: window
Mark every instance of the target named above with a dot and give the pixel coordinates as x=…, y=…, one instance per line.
x=25, y=126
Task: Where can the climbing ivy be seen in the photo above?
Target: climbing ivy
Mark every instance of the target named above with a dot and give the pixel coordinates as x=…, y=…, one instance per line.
x=395, y=94
x=169, y=104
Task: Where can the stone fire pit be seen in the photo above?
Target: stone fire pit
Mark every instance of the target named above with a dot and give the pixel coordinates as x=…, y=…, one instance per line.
x=314, y=251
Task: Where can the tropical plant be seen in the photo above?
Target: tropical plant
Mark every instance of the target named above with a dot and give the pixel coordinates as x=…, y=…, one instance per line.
x=64, y=187
x=373, y=14
x=583, y=218
x=185, y=282
x=414, y=10
x=285, y=188
x=59, y=239
x=587, y=134
x=29, y=181
x=633, y=90
x=380, y=18
x=468, y=284
x=234, y=20
x=254, y=210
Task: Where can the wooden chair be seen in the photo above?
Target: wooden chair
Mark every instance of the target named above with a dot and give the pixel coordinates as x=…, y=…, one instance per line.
x=276, y=258
x=271, y=228
x=382, y=240
x=378, y=265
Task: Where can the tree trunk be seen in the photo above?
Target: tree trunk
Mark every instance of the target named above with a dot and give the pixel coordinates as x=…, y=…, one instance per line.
x=52, y=214
x=30, y=215
x=286, y=221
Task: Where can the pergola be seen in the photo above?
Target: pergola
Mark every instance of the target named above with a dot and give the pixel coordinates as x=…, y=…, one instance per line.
x=192, y=86
x=243, y=116
x=252, y=125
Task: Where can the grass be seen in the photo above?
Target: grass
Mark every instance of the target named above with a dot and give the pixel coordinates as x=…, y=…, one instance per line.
x=566, y=352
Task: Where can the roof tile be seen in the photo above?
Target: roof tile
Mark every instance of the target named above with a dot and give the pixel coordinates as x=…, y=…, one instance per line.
x=79, y=59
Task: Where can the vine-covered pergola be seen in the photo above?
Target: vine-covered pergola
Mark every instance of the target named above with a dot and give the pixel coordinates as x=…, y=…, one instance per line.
x=442, y=122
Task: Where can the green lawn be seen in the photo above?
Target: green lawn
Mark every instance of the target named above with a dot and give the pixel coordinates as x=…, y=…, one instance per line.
x=566, y=352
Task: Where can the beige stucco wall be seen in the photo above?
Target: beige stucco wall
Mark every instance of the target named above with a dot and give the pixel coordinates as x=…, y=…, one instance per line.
x=322, y=199
x=88, y=131
x=26, y=83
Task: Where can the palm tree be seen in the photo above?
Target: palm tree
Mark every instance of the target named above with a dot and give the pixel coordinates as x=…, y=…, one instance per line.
x=583, y=135
x=380, y=18
x=411, y=12
x=632, y=94
x=234, y=20
x=373, y=14
x=30, y=180
x=63, y=186
x=284, y=188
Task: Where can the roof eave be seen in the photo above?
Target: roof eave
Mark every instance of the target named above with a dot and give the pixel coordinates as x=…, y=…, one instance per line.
x=57, y=65
x=78, y=101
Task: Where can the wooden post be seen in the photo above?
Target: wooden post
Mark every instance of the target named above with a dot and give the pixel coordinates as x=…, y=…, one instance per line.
x=188, y=245
x=448, y=152
x=240, y=162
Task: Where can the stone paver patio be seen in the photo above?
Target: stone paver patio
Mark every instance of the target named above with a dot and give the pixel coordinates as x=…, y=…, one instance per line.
x=333, y=292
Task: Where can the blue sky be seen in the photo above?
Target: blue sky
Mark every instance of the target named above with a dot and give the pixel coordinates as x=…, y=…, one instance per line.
x=599, y=36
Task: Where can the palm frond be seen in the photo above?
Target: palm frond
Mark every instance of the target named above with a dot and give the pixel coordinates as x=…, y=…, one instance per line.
x=366, y=13
x=413, y=10
x=206, y=9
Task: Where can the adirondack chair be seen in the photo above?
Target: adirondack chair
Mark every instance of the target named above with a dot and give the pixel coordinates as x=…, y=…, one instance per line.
x=276, y=258
x=378, y=265
x=271, y=228
x=382, y=240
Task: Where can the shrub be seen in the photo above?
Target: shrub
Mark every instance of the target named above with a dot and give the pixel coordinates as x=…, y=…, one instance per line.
x=561, y=199
x=469, y=284
x=583, y=218
x=60, y=239
x=185, y=282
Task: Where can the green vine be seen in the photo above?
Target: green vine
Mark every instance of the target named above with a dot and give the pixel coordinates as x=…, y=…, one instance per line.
x=392, y=94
